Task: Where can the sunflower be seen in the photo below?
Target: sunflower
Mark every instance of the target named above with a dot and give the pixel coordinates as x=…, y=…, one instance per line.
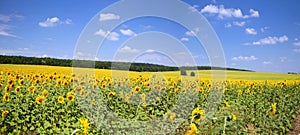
x=110, y=94
x=233, y=117
x=30, y=88
x=18, y=89
x=136, y=89
x=198, y=115
x=70, y=97
x=45, y=93
x=82, y=91
x=172, y=117
x=147, y=84
x=7, y=88
x=6, y=97
x=39, y=99
x=4, y=113
x=226, y=103
x=71, y=93
x=85, y=124
x=273, y=109
x=60, y=99
x=193, y=130
x=103, y=86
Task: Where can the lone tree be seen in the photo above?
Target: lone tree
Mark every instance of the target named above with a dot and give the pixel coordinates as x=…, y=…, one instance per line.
x=192, y=73
x=183, y=72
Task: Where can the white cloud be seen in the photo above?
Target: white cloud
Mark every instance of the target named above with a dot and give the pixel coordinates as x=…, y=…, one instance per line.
x=114, y=36
x=264, y=29
x=282, y=59
x=223, y=12
x=228, y=25
x=210, y=9
x=127, y=32
x=190, y=33
x=54, y=21
x=4, y=30
x=102, y=33
x=267, y=62
x=108, y=16
x=241, y=24
x=127, y=49
x=251, y=31
x=150, y=51
x=253, y=13
x=193, y=8
x=297, y=50
x=271, y=40
x=244, y=58
x=7, y=18
x=68, y=21
x=14, y=51
x=296, y=43
x=184, y=39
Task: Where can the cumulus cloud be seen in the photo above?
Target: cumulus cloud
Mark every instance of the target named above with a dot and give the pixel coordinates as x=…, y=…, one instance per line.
x=223, y=12
x=184, y=39
x=271, y=40
x=263, y=29
x=228, y=25
x=190, y=33
x=114, y=36
x=4, y=31
x=54, y=21
x=244, y=58
x=193, y=8
x=296, y=43
x=251, y=31
x=108, y=16
x=282, y=59
x=127, y=32
x=241, y=24
x=267, y=62
x=296, y=50
x=127, y=49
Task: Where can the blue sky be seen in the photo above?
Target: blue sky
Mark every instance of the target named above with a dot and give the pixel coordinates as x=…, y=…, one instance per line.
x=256, y=35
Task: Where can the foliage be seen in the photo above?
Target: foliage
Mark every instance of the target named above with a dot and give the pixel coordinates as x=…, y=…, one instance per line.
x=48, y=100
x=193, y=74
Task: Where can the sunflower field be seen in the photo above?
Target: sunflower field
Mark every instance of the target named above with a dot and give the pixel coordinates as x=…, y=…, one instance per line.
x=60, y=100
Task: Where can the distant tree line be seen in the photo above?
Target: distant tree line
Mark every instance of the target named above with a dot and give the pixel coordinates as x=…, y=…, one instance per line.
x=293, y=73
x=140, y=67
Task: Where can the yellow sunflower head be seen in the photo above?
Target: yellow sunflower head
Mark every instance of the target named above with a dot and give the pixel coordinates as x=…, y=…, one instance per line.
x=39, y=99
x=193, y=129
x=233, y=117
x=110, y=94
x=45, y=93
x=198, y=114
x=103, y=86
x=60, y=99
x=6, y=97
x=70, y=97
x=4, y=113
x=84, y=122
x=71, y=93
x=136, y=89
x=18, y=89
